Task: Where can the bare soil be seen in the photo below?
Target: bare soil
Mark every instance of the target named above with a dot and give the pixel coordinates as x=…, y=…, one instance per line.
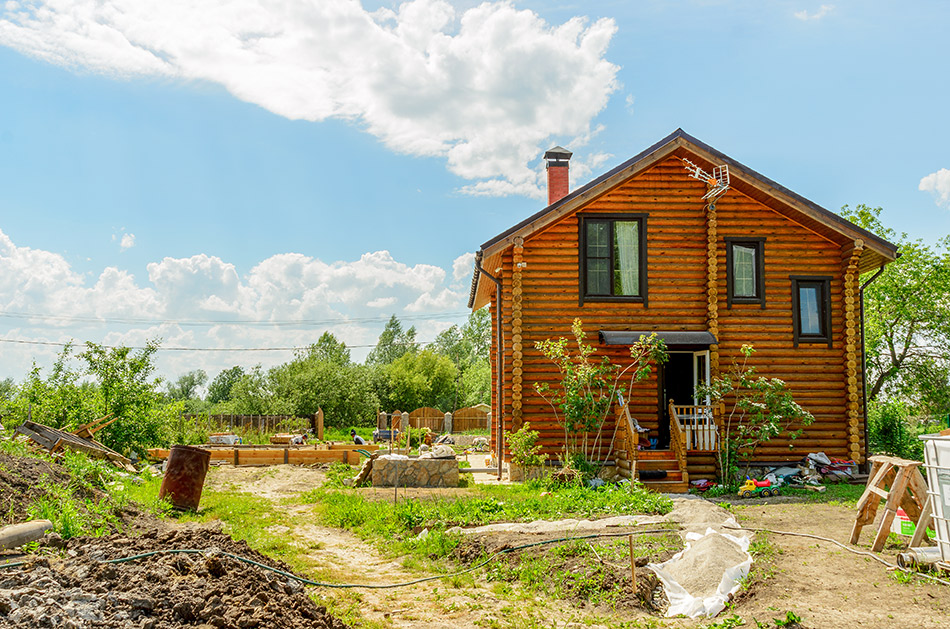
x=76, y=588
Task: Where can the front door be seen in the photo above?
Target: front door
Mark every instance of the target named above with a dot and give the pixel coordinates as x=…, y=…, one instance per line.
x=676, y=383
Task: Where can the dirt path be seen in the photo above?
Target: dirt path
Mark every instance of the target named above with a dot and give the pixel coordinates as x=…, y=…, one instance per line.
x=823, y=584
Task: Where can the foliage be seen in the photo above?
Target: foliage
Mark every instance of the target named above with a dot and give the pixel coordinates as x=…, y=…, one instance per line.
x=588, y=387
x=907, y=319
x=393, y=343
x=337, y=474
x=418, y=379
x=762, y=408
x=329, y=349
x=468, y=348
x=894, y=430
x=187, y=385
x=220, y=388
x=126, y=391
x=60, y=399
x=524, y=447
x=345, y=392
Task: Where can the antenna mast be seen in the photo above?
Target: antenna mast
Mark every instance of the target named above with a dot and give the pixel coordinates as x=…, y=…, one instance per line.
x=717, y=183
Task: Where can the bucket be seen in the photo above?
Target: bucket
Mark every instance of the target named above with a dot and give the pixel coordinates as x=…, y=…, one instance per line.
x=185, y=477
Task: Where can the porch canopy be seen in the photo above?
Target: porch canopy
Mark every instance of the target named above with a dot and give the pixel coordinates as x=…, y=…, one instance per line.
x=674, y=339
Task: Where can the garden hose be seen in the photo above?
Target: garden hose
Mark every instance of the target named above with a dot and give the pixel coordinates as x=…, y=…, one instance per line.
x=305, y=581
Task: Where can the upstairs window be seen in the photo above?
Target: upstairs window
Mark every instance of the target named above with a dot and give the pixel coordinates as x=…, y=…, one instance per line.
x=745, y=271
x=811, y=309
x=613, y=258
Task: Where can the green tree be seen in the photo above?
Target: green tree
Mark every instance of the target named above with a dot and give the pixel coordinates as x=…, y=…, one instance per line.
x=907, y=319
x=328, y=348
x=393, y=343
x=220, y=388
x=588, y=388
x=128, y=392
x=253, y=394
x=419, y=379
x=187, y=385
x=468, y=348
x=61, y=399
x=762, y=409
x=344, y=392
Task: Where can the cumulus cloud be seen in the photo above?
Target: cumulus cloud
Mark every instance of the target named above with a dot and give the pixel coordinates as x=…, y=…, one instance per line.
x=286, y=300
x=938, y=184
x=487, y=89
x=127, y=242
x=822, y=11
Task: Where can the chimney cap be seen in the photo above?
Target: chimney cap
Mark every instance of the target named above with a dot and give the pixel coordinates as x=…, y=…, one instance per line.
x=558, y=154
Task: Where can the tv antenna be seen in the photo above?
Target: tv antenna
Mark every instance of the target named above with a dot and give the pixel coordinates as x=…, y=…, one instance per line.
x=717, y=183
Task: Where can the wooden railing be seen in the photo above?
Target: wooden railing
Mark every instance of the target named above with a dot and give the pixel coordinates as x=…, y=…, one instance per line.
x=696, y=427
x=678, y=441
x=628, y=443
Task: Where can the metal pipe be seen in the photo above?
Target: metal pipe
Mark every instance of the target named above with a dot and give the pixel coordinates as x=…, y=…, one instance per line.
x=499, y=360
x=917, y=558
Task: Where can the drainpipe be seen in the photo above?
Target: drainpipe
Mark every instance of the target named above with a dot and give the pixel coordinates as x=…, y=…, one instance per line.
x=864, y=367
x=499, y=360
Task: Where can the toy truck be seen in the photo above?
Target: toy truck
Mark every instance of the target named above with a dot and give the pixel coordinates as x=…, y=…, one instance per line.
x=753, y=488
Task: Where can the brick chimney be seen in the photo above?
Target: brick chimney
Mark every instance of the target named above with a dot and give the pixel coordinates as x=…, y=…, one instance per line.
x=558, y=181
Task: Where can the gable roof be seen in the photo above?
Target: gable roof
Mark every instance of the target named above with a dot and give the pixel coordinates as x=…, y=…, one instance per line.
x=877, y=252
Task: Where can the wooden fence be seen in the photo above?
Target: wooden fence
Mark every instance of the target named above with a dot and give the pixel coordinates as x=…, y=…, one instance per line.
x=259, y=423
x=462, y=420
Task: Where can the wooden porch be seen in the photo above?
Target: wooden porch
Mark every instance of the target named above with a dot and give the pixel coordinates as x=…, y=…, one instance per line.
x=694, y=432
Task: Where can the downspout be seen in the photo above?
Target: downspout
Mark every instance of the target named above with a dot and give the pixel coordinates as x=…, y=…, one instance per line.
x=864, y=367
x=499, y=360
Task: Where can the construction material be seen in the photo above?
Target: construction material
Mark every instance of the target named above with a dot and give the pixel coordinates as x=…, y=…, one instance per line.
x=700, y=579
x=937, y=465
x=389, y=471
x=16, y=535
x=54, y=440
x=185, y=477
x=900, y=484
x=274, y=455
x=917, y=558
x=633, y=567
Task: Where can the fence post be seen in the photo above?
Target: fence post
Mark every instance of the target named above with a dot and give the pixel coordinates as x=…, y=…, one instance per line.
x=381, y=421
x=319, y=423
x=447, y=424
x=404, y=423
x=488, y=420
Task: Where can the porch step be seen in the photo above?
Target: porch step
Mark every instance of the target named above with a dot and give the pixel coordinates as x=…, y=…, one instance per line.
x=667, y=486
x=656, y=455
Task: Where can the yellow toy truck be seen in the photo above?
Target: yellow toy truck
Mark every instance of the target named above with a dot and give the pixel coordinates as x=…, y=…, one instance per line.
x=753, y=488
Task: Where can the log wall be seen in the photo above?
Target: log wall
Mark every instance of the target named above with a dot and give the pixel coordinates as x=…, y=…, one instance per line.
x=686, y=268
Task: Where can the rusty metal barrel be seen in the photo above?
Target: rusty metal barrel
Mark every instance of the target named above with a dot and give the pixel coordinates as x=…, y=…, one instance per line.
x=185, y=476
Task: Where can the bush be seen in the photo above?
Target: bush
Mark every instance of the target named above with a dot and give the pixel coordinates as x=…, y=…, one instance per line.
x=894, y=430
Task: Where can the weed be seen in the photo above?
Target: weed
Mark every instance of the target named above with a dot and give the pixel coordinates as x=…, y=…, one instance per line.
x=727, y=623
x=903, y=577
x=337, y=473
x=791, y=620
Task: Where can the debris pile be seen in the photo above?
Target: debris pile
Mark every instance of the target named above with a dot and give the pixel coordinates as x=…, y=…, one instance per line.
x=70, y=586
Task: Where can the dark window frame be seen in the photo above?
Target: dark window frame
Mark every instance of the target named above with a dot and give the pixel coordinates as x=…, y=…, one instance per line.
x=824, y=284
x=582, y=295
x=759, y=245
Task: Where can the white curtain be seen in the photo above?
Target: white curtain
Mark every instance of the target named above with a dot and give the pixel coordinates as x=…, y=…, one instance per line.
x=627, y=258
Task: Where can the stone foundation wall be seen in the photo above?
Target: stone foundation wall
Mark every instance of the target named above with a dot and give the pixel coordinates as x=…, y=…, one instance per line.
x=416, y=473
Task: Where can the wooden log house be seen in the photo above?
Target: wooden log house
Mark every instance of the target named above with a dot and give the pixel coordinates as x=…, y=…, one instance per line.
x=639, y=250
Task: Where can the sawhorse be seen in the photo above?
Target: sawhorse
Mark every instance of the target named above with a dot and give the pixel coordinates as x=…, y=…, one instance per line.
x=906, y=488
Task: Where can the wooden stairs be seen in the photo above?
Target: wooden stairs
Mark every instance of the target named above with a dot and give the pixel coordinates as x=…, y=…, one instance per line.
x=674, y=482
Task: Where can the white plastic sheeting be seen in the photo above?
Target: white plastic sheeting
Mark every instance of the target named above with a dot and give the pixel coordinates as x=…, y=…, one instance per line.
x=721, y=574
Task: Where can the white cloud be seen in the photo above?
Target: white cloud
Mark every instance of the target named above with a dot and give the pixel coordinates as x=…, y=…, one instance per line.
x=463, y=266
x=938, y=183
x=127, y=242
x=488, y=88
x=822, y=11
x=188, y=302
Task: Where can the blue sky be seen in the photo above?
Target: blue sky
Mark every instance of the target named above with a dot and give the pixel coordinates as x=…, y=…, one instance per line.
x=165, y=166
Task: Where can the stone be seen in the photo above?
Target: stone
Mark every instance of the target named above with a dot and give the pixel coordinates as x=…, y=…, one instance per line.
x=415, y=472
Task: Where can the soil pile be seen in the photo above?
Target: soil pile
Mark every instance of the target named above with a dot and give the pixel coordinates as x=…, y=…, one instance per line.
x=71, y=587
x=21, y=483
x=25, y=480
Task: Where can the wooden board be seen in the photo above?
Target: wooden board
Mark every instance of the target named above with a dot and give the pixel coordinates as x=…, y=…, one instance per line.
x=273, y=456
x=54, y=439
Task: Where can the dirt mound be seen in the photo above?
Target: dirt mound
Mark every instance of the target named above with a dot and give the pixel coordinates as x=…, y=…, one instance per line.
x=72, y=587
x=21, y=483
